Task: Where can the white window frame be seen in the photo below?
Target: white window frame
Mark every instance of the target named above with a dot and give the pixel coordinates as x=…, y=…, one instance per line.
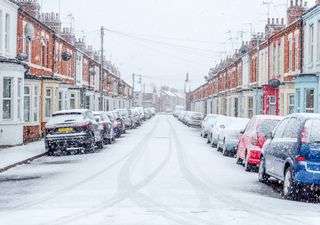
x=73, y=98
x=8, y=99
x=1, y=32
x=309, y=110
x=318, y=40
x=272, y=103
x=290, y=104
x=7, y=33
x=311, y=42
x=19, y=99
x=27, y=95
x=35, y=103
x=48, y=98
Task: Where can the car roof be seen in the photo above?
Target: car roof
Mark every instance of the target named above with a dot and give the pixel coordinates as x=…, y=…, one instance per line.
x=71, y=111
x=98, y=112
x=268, y=117
x=305, y=115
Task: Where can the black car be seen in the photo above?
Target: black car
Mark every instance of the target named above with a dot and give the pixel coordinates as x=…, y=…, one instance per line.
x=72, y=131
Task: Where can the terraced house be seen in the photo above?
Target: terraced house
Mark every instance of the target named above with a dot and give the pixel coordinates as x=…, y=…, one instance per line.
x=44, y=68
x=275, y=73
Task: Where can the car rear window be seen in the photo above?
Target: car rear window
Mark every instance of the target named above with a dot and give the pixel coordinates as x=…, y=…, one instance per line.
x=266, y=126
x=314, y=134
x=65, y=118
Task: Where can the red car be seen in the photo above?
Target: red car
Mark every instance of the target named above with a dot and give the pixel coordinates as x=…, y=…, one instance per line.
x=253, y=138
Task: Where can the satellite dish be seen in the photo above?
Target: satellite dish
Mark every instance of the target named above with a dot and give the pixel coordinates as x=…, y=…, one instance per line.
x=29, y=31
x=66, y=56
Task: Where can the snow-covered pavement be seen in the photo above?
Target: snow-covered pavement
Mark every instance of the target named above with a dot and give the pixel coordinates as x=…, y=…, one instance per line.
x=160, y=174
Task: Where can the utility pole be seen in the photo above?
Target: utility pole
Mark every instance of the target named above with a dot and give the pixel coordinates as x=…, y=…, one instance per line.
x=101, y=71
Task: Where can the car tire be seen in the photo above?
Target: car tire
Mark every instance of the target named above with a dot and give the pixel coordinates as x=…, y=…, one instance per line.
x=290, y=189
x=263, y=177
x=239, y=161
x=100, y=145
x=247, y=165
x=225, y=152
x=89, y=148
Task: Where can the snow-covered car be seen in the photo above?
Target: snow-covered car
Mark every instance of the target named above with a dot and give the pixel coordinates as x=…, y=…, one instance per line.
x=120, y=122
x=107, y=132
x=72, y=131
x=206, y=125
x=194, y=119
x=220, y=123
x=253, y=138
x=126, y=117
x=229, y=137
x=135, y=117
x=140, y=110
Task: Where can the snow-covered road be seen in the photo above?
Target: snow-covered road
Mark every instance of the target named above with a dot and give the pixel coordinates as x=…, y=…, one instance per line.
x=160, y=174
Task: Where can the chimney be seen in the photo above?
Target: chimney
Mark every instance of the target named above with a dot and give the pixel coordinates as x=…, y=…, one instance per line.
x=52, y=20
x=295, y=11
x=30, y=6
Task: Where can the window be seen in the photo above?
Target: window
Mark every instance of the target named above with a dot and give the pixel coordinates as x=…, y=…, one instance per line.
x=48, y=102
x=292, y=129
x=298, y=94
x=72, y=101
x=27, y=103
x=19, y=101
x=30, y=51
x=36, y=104
x=250, y=107
x=7, y=33
x=7, y=98
x=309, y=97
x=296, y=53
x=272, y=105
x=290, y=55
x=65, y=105
x=60, y=101
x=87, y=102
x=280, y=128
x=290, y=104
x=0, y=31
x=318, y=40
x=311, y=43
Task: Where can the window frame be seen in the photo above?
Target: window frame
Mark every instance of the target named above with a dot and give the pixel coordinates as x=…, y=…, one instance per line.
x=48, y=97
x=7, y=33
x=8, y=98
x=27, y=95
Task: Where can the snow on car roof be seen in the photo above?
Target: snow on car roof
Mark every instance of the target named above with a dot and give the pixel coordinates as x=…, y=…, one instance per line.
x=71, y=111
x=269, y=117
x=306, y=115
x=98, y=112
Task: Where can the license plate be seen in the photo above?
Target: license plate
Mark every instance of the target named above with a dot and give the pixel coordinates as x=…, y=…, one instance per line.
x=65, y=130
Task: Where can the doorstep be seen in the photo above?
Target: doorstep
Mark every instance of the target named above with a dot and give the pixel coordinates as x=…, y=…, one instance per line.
x=14, y=156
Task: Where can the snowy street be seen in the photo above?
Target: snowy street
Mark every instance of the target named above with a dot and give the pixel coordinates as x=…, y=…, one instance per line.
x=162, y=173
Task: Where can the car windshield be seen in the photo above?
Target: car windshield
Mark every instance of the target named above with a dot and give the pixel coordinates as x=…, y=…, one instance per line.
x=266, y=125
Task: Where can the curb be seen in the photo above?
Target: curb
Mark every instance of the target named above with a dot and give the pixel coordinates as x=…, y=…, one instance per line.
x=22, y=162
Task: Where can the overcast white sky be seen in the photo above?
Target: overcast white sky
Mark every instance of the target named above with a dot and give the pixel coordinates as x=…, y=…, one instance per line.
x=165, y=39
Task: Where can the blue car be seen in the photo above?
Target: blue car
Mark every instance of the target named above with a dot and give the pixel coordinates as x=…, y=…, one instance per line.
x=292, y=154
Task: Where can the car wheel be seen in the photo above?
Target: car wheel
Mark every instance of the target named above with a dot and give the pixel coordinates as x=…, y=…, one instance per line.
x=208, y=140
x=100, y=145
x=263, y=177
x=238, y=159
x=89, y=148
x=225, y=152
x=289, y=188
x=247, y=165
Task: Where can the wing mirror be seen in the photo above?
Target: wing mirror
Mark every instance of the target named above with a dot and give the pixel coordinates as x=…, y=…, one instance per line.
x=242, y=132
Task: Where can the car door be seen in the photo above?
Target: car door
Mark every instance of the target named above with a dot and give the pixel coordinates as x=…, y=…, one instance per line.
x=288, y=145
x=271, y=151
x=245, y=138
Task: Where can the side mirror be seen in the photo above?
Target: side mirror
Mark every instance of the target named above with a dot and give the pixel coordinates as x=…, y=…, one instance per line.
x=269, y=135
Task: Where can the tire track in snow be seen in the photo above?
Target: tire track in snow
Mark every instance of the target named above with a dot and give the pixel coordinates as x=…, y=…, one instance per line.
x=149, y=203
x=69, y=188
x=117, y=198
x=215, y=193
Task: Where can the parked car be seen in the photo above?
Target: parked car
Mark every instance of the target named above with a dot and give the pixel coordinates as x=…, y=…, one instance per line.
x=253, y=138
x=117, y=126
x=126, y=116
x=221, y=123
x=135, y=118
x=72, y=131
x=107, y=125
x=206, y=124
x=229, y=136
x=292, y=153
x=194, y=119
x=120, y=122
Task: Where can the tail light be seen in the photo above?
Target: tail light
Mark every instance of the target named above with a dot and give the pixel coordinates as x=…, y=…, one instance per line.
x=261, y=141
x=83, y=125
x=301, y=159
